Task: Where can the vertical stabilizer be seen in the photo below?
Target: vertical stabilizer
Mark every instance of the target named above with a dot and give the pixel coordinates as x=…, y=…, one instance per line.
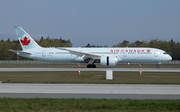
x=25, y=40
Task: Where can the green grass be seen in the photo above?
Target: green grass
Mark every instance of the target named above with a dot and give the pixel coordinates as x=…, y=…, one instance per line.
x=87, y=105
x=84, y=66
x=92, y=77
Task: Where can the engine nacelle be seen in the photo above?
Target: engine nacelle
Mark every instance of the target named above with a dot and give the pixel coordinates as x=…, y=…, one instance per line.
x=109, y=60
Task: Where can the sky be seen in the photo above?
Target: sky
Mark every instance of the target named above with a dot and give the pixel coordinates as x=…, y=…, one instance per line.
x=98, y=22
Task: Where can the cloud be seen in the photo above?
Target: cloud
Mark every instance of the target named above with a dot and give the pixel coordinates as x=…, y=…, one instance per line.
x=5, y=35
x=37, y=36
x=13, y=35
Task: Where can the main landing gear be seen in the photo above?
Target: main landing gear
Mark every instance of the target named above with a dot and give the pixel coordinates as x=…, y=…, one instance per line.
x=91, y=66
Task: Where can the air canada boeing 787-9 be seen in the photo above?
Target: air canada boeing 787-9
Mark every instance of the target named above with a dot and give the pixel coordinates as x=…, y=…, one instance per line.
x=104, y=56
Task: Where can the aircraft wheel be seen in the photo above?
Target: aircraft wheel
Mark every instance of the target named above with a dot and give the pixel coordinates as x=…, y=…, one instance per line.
x=157, y=66
x=91, y=66
x=94, y=66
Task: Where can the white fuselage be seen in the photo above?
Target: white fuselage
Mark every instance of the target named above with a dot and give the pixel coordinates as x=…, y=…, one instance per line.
x=124, y=54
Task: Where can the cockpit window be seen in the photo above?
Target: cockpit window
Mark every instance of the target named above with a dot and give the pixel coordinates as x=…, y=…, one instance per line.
x=164, y=53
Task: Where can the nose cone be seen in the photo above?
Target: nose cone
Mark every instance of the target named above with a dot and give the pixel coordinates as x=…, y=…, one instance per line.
x=169, y=58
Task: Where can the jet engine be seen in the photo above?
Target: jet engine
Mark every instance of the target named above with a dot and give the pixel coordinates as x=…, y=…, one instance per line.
x=109, y=60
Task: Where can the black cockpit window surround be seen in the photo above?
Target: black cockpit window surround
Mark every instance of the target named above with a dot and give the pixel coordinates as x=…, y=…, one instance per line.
x=164, y=53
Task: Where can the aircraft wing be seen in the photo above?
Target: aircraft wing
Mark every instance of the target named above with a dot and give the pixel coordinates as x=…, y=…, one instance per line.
x=82, y=53
x=22, y=52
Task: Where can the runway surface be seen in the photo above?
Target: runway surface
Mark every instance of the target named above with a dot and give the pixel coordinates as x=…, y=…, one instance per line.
x=95, y=91
x=92, y=69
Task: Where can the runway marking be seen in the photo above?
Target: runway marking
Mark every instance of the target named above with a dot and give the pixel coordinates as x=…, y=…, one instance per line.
x=113, y=89
x=103, y=86
x=94, y=93
x=95, y=69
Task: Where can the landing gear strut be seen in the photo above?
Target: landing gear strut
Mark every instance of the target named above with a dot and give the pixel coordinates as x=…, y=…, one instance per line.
x=157, y=66
x=91, y=66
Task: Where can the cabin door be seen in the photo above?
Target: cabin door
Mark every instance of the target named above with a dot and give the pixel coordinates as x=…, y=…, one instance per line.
x=156, y=54
x=43, y=53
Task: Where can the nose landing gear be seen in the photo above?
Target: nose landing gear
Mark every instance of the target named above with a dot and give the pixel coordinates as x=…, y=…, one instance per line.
x=157, y=66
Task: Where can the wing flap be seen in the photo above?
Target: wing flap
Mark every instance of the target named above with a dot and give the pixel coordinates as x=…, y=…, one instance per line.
x=82, y=53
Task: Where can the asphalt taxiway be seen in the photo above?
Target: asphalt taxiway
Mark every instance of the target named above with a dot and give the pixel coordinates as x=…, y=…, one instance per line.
x=91, y=69
x=94, y=91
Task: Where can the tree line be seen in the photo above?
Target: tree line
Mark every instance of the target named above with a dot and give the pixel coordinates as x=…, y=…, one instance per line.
x=15, y=45
x=171, y=47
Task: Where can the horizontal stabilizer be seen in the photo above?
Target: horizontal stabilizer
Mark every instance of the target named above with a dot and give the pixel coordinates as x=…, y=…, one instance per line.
x=22, y=52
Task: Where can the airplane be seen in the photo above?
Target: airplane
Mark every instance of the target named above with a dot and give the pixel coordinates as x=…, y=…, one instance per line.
x=104, y=56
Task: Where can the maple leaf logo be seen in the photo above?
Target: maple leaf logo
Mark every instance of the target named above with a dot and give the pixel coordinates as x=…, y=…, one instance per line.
x=25, y=41
x=148, y=50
